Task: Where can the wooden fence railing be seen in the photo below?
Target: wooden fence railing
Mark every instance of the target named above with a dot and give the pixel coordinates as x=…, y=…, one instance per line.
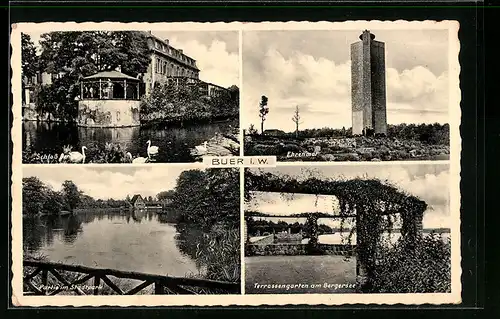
x=37, y=281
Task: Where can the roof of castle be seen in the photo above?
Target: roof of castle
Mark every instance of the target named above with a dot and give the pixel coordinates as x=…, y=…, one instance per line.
x=110, y=74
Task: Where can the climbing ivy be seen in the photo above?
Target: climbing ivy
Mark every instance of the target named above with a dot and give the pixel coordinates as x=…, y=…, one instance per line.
x=372, y=202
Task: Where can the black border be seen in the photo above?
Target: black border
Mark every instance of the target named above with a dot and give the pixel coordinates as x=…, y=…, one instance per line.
x=471, y=20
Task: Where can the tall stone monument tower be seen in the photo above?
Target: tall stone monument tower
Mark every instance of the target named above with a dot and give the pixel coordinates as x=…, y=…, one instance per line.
x=369, y=114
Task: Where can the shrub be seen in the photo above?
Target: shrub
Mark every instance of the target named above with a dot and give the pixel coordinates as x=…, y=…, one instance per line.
x=179, y=103
x=291, y=148
x=426, y=269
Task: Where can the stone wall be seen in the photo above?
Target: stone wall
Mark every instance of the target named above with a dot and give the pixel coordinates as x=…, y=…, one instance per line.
x=287, y=238
x=295, y=249
x=367, y=81
x=357, y=87
x=31, y=114
x=268, y=240
x=368, y=86
x=378, y=87
x=108, y=113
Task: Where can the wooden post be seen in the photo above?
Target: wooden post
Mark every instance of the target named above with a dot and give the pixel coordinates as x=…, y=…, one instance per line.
x=125, y=89
x=45, y=275
x=358, y=262
x=97, y=282
x=138, y=91
x=81, y=90
x=100, y=89
x=159, y=289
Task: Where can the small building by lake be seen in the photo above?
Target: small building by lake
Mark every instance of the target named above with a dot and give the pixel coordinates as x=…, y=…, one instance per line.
x=110, y=99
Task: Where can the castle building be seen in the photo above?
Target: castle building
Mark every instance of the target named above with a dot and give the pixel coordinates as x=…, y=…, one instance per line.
x=168, y=62
x=111, y=98
x=369, y=113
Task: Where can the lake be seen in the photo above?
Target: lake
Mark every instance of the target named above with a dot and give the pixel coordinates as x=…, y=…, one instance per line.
x=174, y=142
x=130, y=241
x=342, y=238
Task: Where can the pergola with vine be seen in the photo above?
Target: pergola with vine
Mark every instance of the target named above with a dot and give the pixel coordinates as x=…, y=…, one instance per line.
x=372, y=203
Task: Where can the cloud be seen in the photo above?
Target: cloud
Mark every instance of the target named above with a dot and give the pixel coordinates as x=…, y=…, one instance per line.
x=276, y=204
x=419, y=88
x=290, y=73
x=216, y=62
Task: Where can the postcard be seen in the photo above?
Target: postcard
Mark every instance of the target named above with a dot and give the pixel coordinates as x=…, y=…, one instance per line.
x=219, y=164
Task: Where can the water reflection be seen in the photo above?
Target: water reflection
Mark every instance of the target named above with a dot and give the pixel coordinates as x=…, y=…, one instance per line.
x=175, y=142
x=133, y=240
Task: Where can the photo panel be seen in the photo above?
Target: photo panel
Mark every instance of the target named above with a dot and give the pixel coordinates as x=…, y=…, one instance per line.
x=353, y=94
x=337, y=182
x=129, y=96
x=350, y=229
x=143, y=230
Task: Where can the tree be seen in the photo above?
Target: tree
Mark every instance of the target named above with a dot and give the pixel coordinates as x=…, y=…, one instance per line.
x=71, y=194
x=165, y=195
x=73, y=55
x=54, y=202
x=128, y=199
x=296, y=120
x=206, y=198
x=34, y=195
x=28, y=56
x=252, y=130
x=263, y=111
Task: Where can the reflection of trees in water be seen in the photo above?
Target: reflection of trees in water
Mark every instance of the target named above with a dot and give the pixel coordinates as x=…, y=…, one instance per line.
x=188, y=240
x=49, y=136
x=175, y=142
x=39, y=231
x=72, y=226
x=33, y=232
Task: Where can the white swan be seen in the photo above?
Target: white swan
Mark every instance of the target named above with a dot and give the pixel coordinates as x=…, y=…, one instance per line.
x=152, y=150
x=202, y=149
x=137, y=160
x=77, y=157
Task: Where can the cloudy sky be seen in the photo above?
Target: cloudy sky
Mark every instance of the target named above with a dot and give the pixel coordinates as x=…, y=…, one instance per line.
x=430, y=182
x=216, y=52
x=105, y=182
x=312, y=69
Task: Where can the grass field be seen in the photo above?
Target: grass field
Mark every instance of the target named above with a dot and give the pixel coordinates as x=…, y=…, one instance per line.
x=293, y=270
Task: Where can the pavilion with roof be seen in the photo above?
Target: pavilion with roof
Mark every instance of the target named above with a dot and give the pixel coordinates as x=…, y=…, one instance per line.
x=109, y=99
x=109, y=85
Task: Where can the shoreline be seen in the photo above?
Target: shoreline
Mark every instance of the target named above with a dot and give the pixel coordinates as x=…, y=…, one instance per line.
x=150, y=123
